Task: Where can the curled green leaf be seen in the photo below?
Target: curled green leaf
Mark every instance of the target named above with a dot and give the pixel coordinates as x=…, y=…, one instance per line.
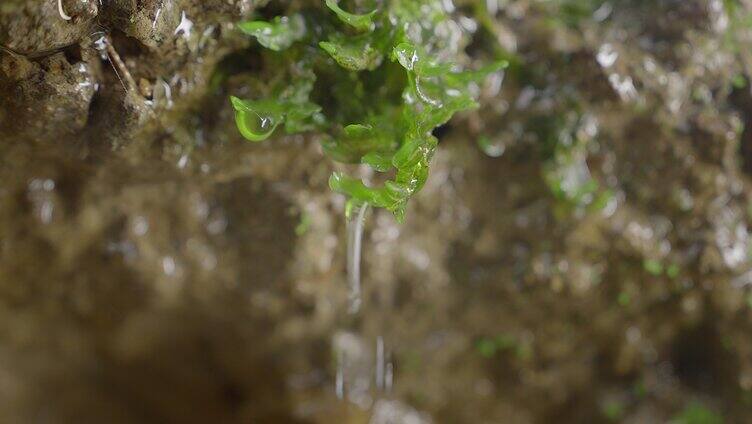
x=354, y=188
x=358, y=131
x=392, y=196
x=278, y=34
x=361, y=23
x=256, y=120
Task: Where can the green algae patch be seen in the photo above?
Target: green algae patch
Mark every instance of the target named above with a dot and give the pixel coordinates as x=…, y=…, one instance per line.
x=387, y=90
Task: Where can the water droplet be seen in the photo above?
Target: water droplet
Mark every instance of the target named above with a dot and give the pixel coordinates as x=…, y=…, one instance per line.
x=607, y=56
x=255, y=126
x=140, y=225
x=168, y=265
x=42, y=197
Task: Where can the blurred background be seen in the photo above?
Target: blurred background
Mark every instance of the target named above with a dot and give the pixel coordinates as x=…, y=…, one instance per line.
x=580, y=253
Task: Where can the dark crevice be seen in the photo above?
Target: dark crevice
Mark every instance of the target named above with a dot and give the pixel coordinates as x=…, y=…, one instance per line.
x=127, y=46
x=441, y=131
x=73, y=53
x=238, y=62
x=699, y=359
x=272, y=9
x=741, y=99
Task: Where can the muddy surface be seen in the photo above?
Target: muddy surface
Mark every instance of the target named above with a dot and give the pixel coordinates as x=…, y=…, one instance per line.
x=579, y=254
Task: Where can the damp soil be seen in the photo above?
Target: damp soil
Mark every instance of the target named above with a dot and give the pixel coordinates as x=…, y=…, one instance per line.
x=580, y=252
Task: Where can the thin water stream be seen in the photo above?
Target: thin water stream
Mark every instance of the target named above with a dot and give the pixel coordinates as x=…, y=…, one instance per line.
x=355, y=364
x=354, y=247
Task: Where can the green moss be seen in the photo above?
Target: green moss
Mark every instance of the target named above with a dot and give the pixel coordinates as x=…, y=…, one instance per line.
x=304, y=225
x=488, y=347
x=613, y=410
x=640, y=389
x=566, y=139
x=386, y=91
x=738, y=81
x=697, y=414
x=672, y=271
x=653, y=267
x=657, y=268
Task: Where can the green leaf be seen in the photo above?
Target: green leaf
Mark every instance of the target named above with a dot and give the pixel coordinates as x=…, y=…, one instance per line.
x=442, y=90
x=379, y=161
x=353, y=53
x=278, y=34
x=478, y=75
x=354, y=188
x=298, y=117
x=357, y=140
x=359, y=131
x=361, y=23
x=257, y=120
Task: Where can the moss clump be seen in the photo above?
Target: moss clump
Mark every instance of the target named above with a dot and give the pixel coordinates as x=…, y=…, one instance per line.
x=387, y=87
x=696, y=413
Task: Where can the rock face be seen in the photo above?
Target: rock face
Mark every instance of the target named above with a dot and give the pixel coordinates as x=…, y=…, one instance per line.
x=580, y=252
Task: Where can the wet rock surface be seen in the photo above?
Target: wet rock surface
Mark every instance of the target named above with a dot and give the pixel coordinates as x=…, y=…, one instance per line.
x=580, y=252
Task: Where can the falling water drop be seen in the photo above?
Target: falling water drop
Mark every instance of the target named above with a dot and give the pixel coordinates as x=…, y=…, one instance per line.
x=354, y=244
x=388, y=375
x=384, y=367
x=380, y=363
x=355, y=219
x=339, y=385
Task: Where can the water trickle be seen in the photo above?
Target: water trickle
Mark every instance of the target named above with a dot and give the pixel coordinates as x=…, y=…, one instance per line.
x=162, y=94
x=354, y=245
x=359, y=370
x=380, y=363
x=339, y=384
x=388, y=375
x=384, y=372
x=156, y=18
x=185, y=27
x=353, y=380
